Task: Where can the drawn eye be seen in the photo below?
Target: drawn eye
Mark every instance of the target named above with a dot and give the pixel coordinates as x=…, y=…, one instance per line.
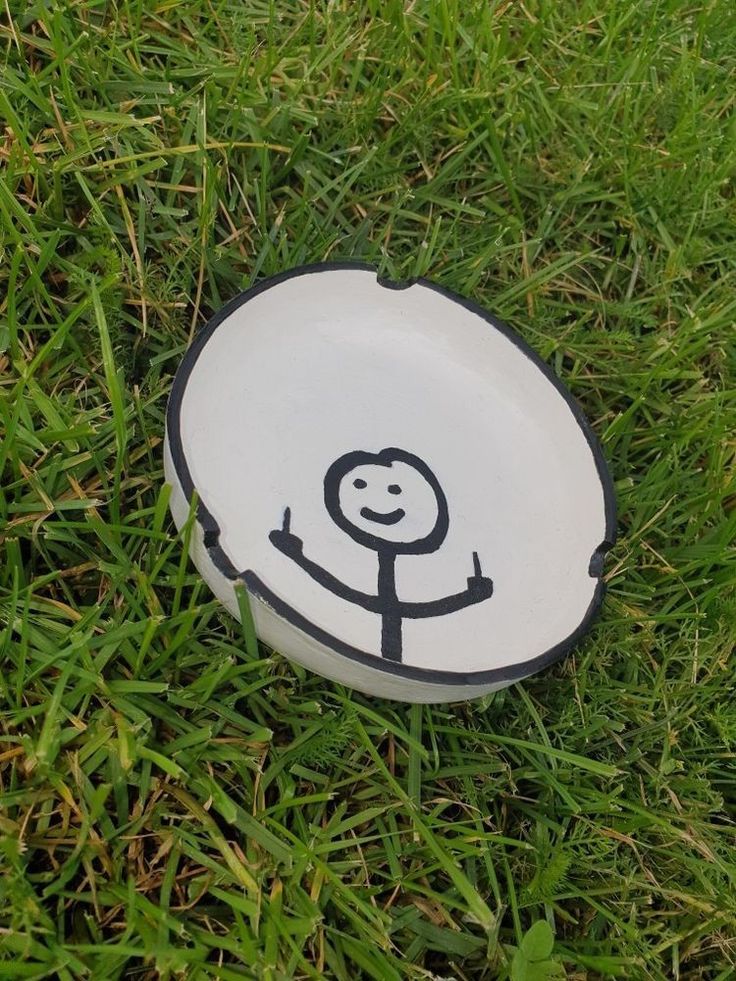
x=360, y=484
x=394, y=489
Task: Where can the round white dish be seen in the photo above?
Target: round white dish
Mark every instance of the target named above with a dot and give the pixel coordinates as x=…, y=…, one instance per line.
x=415, y=503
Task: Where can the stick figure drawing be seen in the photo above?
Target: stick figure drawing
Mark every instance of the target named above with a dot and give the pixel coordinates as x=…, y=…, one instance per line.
x=390, y=502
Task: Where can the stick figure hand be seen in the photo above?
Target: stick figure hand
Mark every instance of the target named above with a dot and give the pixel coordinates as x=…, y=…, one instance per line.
x=480, y=587
x=283, y=540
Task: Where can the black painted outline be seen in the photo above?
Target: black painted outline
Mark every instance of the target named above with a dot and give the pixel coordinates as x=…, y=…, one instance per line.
x=385, y=602
x=211, y=530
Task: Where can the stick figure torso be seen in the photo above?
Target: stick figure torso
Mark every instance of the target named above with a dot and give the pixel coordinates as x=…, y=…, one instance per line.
x=392, y=503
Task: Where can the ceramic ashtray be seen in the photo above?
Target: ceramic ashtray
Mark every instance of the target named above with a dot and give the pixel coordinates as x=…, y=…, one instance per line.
x=414, y=501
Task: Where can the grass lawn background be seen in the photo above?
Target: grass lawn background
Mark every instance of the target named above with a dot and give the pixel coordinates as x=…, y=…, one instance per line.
x=174, y=804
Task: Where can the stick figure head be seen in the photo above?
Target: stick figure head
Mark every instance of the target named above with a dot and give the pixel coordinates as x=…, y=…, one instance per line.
x=387, y=501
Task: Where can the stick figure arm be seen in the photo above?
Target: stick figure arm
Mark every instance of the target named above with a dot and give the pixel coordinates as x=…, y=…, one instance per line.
x=439, y=607
x=291, y=546
x=479, y=588
x=335, y=585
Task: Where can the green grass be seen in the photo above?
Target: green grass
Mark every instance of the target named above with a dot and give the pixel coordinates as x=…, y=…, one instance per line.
x=175, y=803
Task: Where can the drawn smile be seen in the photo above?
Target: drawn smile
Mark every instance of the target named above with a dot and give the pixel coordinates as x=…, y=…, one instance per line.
x=383, y=519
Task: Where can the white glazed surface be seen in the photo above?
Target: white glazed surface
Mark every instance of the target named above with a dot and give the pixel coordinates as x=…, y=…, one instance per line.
x=281, y=636
x=330, y=362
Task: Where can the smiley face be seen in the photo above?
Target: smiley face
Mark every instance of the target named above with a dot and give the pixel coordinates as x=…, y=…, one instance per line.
x=387, y=501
